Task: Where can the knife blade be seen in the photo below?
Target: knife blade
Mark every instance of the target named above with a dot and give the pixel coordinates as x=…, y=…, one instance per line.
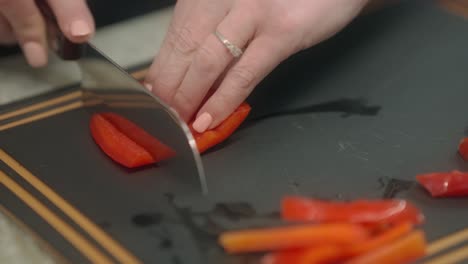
x=105, y=82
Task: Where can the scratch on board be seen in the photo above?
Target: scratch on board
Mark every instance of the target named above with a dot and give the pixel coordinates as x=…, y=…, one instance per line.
x=401, y=132
x=346, y=145
x=294, y=186
x=297, y=126
x=341, y=146
x=292, y=183
x=379, y=137
x=360, y=157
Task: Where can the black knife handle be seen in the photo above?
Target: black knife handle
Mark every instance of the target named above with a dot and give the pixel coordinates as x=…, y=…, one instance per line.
x=65, y=49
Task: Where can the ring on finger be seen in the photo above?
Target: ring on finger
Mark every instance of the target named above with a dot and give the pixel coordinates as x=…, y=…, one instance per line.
x=233, y=49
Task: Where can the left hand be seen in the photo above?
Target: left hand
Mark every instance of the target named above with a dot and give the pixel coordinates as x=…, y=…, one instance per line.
x=22, y=22
x=192, y=59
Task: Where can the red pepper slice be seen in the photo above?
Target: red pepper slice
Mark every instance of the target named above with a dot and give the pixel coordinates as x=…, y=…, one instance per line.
x=329, y=253
x=310, y=255
x=292, y=237
x=463, y=148
x=445, y=184
x=117, y=145
x=212, y=137
x=404, y=250
x=384, y=238
x=358, y=211
x=124, y=134
x=156, y=148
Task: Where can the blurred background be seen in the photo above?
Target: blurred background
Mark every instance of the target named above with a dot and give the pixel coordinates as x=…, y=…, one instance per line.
x=107, y=12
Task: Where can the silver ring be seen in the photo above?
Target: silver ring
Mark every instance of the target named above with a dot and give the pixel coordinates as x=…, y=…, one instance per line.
x=233, y=49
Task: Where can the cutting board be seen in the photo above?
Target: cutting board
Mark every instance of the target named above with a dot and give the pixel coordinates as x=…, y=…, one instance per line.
x=358, y=116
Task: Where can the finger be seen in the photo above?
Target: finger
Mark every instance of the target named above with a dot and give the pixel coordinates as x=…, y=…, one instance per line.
x=211, y=60
x=7, y=37
x=74, y=18
x=29, y=28
x=261, y=57
x=198, y=26
x=181, y=11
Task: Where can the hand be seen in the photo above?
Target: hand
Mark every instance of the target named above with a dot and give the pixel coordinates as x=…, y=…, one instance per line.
x=192, y=60
x=21, y=22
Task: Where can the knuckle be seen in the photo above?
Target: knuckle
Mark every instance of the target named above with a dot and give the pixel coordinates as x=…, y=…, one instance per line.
x=207, y=60
x=163, y=84
x=30, y=27
x=164, y=89
x=288, y=23
x=185, y=42
x=171, y=37
x=242, y=77
x=251, y=8
x=183, y=102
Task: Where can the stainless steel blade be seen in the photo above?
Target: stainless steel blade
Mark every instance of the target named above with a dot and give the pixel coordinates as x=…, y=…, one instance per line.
x=108, y=87
x=105, y=82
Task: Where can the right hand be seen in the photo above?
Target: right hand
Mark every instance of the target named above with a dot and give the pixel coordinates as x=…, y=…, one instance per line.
x=21, y=22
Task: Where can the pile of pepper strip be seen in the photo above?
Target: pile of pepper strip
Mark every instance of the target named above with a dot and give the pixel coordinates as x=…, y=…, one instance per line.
x=356, y=232
x=131, y=146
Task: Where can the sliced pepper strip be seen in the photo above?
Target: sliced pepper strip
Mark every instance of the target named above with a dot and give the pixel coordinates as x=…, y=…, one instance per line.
x=445, y=184
x=380, y=240
x=212, y=137
x=404, y=250
x=295, y=208
x=290, y=237
x=332, y=253
x=463, y=148
x=311, y=255
x=156, y=148
x=117, y=145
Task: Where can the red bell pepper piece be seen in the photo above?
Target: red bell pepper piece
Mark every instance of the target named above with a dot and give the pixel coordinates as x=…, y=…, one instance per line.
x=212, y=137
x=359, y=211
x=384, y=238
x=291, y=237
x=311, y=255
x=156, y=148
x=463, y=148
x=325, y=253
x=117, y=145
x=404, y=250
x=445, y=184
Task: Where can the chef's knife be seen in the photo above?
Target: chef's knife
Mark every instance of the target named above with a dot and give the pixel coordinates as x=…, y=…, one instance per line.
x=105, y=82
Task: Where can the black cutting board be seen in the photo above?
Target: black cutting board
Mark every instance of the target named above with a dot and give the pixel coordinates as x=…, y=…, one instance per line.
x=358, y=116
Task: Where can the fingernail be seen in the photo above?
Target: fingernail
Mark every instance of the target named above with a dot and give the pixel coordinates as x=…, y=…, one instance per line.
x=148, y=86
x=202, y=122
x=35, y=54
x=80, y=28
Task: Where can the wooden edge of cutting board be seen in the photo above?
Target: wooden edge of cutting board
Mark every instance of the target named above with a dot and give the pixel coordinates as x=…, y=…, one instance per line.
x=104, y=249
